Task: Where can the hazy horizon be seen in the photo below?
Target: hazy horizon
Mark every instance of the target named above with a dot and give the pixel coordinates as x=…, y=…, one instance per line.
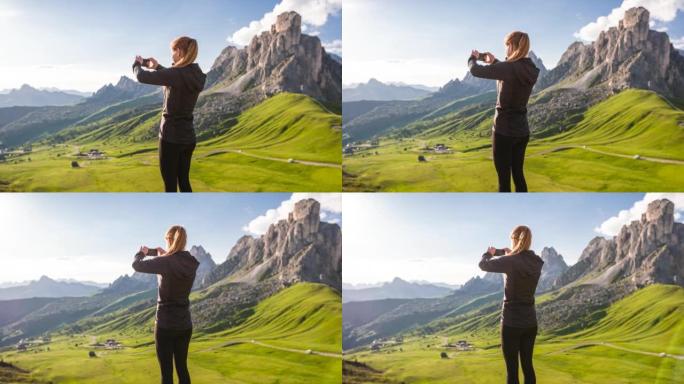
x=429, y=45
x=440, y=238
x=93, y=237
x=49, y=48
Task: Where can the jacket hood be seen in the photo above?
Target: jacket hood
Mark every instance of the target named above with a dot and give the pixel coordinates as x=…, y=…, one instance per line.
x=188, y=263
x=193, y=77
x=526, y=71
x=531, y=263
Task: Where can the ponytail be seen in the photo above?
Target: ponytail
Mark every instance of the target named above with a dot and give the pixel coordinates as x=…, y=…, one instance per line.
x=188, y=48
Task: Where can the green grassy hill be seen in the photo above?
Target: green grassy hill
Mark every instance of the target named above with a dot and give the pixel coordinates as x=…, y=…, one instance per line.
x=287, y=126
x=630, y=344
x=629, y=142
x=291, y=337
x=289, y=142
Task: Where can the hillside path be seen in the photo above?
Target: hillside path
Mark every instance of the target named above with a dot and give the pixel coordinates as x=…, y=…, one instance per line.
x=587, y=148
x=610, y=345
x=261, y=344
x=296, y=161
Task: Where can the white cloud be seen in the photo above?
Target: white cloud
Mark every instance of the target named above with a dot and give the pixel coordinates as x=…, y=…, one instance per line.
x=612, y=226
x=678, y=43
x=314, y=14
x=661, y=11
x=334, y=46
x=331, y=208
x=6, y=14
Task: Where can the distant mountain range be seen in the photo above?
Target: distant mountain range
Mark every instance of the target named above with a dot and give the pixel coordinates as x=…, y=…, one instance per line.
x=28, y=96
x=47, y=287
x=376, y=90
x=623, y=57
x=645, y=252
x=300, y=249
x=282, y=59
x=396, y=289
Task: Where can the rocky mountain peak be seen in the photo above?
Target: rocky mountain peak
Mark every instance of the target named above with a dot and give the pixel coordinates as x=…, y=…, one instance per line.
x=205, y=267
x=627, y=56
x=661, y=213
x=554, y=266
x=539, y=63
x=300, y=248
x=637, y=19
x=281, y=59
x=288, y=22
x=645, y=251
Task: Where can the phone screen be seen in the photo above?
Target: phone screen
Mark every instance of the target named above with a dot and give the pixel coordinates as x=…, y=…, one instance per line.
x=151, y=252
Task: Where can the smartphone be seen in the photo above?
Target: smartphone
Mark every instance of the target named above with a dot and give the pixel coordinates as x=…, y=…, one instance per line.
x=481, y=57
x=152, y=252
x=145, y=62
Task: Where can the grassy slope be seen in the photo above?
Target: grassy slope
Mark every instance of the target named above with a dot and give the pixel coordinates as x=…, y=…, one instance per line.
x=284, y=126
x=304, y=316
x=649, y=320
x=630, y=123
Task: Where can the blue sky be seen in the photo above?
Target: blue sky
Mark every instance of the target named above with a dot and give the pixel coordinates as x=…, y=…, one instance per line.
x=440, y=237
x=94, y=236
x=428, y=42
x=84, y=44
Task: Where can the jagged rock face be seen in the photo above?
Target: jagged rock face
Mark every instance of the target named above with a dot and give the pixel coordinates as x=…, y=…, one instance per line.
x=301, y=248
x=627, y=56
x=539, y=63
x=280, y=60
x=490, y=282
x=646, y=251
x=134, y=283
x=125, y=89
x=554, y=266
x=205, y=267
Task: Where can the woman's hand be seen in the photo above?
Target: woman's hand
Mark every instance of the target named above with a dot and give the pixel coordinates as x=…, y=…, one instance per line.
x=152, y=63
x=475, y=53
x=160, y=251
x=507, y=250
x=144, y=250
x=139, y=59
x=489, y=58
x=491, y=250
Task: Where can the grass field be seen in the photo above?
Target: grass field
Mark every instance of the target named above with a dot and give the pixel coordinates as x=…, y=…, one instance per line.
x=292, y=337
x=598, y=154
x=624, y=347
x=287, y=143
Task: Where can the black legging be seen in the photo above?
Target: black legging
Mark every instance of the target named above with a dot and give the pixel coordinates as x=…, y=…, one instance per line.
x=509, y=156
x=173, y=345
x=514, y=342
x=174, y=162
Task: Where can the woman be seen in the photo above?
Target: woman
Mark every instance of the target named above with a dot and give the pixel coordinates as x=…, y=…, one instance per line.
x=515, y=78
x=173, y=325
x=521, y=268
x=182, y=83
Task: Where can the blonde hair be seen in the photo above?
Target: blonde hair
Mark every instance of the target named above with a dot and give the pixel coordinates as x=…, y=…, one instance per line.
x=176, y=239
x=521, y=239
x=520, y=45
x=188, y=48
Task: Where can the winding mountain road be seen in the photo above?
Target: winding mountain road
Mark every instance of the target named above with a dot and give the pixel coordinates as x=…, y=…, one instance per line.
x=261, y=344
x=586, y=148
x=609, y=345
x=294, y=161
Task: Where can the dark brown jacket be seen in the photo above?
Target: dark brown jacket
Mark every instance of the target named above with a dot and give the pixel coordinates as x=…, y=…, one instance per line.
x=177, y=273
x=182, y=87
x=521, y=275
x=515, y=80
